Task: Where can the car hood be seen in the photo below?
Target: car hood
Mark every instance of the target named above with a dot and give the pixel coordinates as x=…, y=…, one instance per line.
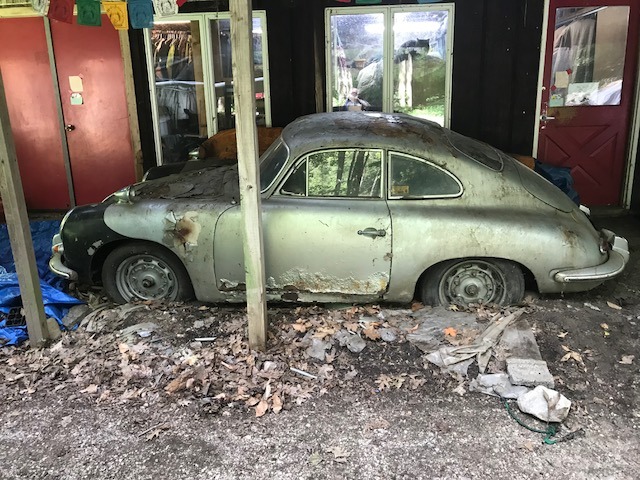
x=543, y=190
x=216, y=182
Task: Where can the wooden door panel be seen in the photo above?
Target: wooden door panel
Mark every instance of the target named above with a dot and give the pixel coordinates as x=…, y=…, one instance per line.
x=100, y=144
x=33, y=113
x=588, y=130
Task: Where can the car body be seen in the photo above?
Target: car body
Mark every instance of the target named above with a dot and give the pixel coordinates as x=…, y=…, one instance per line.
x=356, y=207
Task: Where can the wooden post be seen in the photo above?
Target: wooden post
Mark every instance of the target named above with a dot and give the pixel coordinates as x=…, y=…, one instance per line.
x=15, y=212
x=248, y=169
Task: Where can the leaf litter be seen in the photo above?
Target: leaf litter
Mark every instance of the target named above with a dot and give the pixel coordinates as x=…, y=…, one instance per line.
x=150, y=353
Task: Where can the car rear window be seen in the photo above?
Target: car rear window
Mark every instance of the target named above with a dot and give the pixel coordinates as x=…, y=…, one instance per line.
x=475, y=150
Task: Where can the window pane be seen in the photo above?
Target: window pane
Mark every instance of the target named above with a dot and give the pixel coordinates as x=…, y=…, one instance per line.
x=419, y=70
x=412, y=177
x=588, y=56
x=179, y=88
x=345, y=173
x=296, y=184
x=223, y=75
x=356, y=61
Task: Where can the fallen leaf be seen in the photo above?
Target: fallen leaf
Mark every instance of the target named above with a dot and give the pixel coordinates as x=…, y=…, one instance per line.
x=415, y=306
x=93, y=388
x=527, y=445
x=299, y=327
x=592, y=307
x=615, y=306
x=315, y=459
x=276, y=403
x=450, y=332
x=371, y=333
x=351, y=326
x=262, y=408
x=627, y=359
x=563, y=334
x=604, y=326
x=340, y=455
x=454, y=308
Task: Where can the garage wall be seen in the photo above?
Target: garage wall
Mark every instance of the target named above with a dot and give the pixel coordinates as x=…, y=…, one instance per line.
x=496, y=56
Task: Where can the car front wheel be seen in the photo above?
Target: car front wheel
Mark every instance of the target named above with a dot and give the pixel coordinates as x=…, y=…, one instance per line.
x=144, y=271
x=475, y=280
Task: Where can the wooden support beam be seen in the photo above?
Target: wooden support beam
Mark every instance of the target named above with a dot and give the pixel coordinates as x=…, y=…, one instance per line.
x=15, y=211
x=248, y=169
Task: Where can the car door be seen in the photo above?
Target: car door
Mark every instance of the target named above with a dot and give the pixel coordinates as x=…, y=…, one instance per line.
x=327, y=231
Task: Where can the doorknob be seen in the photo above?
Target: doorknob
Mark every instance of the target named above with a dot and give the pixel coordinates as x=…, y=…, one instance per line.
x=372, y=232
x=69, y=128
x=546, y=118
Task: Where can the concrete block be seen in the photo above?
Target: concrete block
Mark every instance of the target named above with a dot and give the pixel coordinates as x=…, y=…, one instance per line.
x=529, y=372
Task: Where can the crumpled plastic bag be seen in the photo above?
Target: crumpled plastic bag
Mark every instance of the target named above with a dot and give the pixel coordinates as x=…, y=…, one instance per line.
x=546, y=404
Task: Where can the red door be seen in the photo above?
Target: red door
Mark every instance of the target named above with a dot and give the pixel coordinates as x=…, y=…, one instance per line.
x=32, y=111
x=98, y=133
x=588, y=84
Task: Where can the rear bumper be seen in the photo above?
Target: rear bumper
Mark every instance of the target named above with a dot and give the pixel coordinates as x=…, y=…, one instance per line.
x=618, y=259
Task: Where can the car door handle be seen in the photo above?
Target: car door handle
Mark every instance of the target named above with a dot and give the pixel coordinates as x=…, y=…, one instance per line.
x=546, y=118
x=372, y=232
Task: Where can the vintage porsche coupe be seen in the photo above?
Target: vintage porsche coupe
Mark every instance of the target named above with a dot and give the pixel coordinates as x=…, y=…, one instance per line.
x=357, y=207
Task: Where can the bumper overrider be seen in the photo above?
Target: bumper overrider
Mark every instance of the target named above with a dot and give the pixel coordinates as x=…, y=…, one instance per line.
x=618, y=259
x=55, y=262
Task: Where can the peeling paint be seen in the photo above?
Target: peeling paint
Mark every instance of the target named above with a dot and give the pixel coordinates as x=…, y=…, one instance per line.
x=299, y=280
x=94, y=247
x=182, y=231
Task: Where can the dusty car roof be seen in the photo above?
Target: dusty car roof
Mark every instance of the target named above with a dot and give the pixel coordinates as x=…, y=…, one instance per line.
x=373, y=129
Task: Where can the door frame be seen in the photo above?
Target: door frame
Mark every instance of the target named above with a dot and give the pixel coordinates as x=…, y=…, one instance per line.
x=633, y=134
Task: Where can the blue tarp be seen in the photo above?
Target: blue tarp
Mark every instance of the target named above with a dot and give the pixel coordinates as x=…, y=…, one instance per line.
x=57, y=303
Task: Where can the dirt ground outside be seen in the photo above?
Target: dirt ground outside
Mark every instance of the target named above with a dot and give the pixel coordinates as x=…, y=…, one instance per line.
x=172, y=392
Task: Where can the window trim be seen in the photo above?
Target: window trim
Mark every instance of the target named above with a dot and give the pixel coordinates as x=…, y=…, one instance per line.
x=387, y=47
x=420, y=197
x=305, y=158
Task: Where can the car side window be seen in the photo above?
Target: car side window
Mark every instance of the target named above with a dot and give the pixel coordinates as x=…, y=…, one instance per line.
x=337, y=173
x=412, y=177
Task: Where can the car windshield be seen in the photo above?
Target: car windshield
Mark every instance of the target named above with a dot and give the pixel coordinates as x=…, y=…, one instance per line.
x=272, y=162
x=475, y=150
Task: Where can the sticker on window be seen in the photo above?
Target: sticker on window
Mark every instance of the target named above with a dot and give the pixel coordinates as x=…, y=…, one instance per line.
x=400, y=190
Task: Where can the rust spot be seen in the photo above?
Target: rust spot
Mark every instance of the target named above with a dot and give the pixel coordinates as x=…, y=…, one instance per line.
x=569, y=237
x=229, y=286
x=388, y=256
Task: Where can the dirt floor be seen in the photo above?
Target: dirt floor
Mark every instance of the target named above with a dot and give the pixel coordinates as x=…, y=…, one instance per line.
x=173, y=392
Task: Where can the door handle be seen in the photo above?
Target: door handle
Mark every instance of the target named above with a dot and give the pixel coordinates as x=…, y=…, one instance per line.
x=69, y=128
x=372, y=232
x=546, y=118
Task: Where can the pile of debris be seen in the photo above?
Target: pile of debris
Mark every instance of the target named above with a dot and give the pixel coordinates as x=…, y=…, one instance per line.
x=198, y=354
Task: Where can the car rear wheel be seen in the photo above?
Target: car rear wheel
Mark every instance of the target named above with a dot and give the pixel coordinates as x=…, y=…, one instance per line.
x=144, y=271
x=475, y=280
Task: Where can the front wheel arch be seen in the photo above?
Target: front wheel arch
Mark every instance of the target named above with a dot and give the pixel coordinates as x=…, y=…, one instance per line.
x=518, y=277
x=111, y=258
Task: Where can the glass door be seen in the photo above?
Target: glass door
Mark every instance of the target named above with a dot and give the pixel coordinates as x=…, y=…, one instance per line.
x=391, y=59
x=190, y=75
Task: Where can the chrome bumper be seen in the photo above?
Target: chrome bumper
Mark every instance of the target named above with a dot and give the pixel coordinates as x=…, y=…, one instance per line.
x=55, y=262
x=618, y=259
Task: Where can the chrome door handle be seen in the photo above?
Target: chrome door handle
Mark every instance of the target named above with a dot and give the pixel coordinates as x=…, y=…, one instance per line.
x=69, y=128
x=372, y=232
x=546, y=118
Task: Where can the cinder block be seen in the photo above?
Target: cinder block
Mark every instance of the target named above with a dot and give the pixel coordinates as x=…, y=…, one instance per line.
x=529, y=372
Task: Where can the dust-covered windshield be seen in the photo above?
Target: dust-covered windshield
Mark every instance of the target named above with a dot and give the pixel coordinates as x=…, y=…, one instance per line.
x=272, y=162
x=475, y=150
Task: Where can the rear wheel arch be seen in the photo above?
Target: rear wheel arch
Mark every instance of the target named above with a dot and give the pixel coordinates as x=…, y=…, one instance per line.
x=520, y=278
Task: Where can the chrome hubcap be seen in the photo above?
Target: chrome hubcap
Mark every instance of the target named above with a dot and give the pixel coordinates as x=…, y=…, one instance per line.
x=474, y=281
x=145, y=277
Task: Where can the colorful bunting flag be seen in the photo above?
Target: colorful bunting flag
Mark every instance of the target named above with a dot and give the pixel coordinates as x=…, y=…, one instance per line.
x=344, y=1
x=40, y=6
x=181, y=2
x=164, y=8
x=61, y=10
x=89, y=13
x=117, y=13
x=140, y=13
